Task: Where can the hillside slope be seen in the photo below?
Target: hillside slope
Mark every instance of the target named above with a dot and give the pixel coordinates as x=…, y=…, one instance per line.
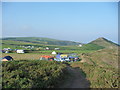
x=100, y=68
x=40, y=40
x=103, y=58
x=104, y=42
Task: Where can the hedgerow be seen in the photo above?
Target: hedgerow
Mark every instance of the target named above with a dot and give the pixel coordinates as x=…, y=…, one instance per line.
x=32, y=74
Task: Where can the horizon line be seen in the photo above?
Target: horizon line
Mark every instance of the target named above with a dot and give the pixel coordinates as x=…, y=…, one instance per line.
x=56, y=39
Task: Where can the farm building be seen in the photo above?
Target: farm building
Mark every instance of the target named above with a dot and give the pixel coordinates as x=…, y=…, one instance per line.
x=20, y=51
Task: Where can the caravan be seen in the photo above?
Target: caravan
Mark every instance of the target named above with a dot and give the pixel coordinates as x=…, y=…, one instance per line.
x=20, y=51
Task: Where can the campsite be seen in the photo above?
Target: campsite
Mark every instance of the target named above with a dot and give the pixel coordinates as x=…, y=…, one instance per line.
x=59, y=44
x=73, y=62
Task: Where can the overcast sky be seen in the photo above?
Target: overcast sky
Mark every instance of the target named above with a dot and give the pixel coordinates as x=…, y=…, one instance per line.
x=74, y=21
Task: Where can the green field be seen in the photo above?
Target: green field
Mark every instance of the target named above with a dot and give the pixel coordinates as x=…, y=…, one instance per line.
x=35, y=55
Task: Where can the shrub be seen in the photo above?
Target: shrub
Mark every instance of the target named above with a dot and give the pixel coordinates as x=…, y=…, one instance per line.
x=99, y=77
x=31, y=74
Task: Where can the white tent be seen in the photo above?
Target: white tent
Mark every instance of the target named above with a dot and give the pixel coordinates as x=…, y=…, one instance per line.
x=53, y=52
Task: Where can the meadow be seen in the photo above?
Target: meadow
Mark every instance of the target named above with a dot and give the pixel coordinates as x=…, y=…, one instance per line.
x=35, y=55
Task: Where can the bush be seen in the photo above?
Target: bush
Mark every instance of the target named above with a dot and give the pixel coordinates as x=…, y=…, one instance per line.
x=100, y=77
x=31, y=74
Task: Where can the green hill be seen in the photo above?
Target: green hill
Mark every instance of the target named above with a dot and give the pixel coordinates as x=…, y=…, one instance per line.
x=91, y=46
x=40, y=40
x=104, y=43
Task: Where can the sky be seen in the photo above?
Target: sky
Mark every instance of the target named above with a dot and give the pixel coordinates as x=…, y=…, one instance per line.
x=73, y=21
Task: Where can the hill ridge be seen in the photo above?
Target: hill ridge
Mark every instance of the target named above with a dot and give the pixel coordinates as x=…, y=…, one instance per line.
x=104, y=42
x=43, y=40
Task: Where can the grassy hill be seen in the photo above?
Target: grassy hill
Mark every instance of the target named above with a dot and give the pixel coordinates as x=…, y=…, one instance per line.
x=91, y=46
x=100, y=68
x=103, y=58
x=104, y=42
x=15, y=43
x=40, y=40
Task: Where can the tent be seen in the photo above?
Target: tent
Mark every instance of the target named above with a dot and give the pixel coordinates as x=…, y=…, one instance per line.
x=53, y=52
x=46, y=57
x=7, y=58
x=63, y=55
x=58, y=56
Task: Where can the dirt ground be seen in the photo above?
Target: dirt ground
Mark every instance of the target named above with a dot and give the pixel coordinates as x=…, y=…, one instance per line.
x=76, y=80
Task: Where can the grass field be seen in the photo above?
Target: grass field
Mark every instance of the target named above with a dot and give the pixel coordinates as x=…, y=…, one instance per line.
x=36, y=55
x=25, y=56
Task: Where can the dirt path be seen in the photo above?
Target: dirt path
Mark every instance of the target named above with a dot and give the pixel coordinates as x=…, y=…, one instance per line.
x=77, y=80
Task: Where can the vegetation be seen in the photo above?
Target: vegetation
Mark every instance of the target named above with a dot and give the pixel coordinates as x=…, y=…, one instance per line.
x=104, y=42
x=35, y=55
x=99, y=66
x=32, y=74
x=39, y=40
x=17, y=44
x=91, y=47
x=99, y=77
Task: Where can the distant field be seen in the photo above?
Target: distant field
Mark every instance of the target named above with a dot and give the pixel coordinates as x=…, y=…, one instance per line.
x=36, y=56
x=67, y=51
x=27, y=56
